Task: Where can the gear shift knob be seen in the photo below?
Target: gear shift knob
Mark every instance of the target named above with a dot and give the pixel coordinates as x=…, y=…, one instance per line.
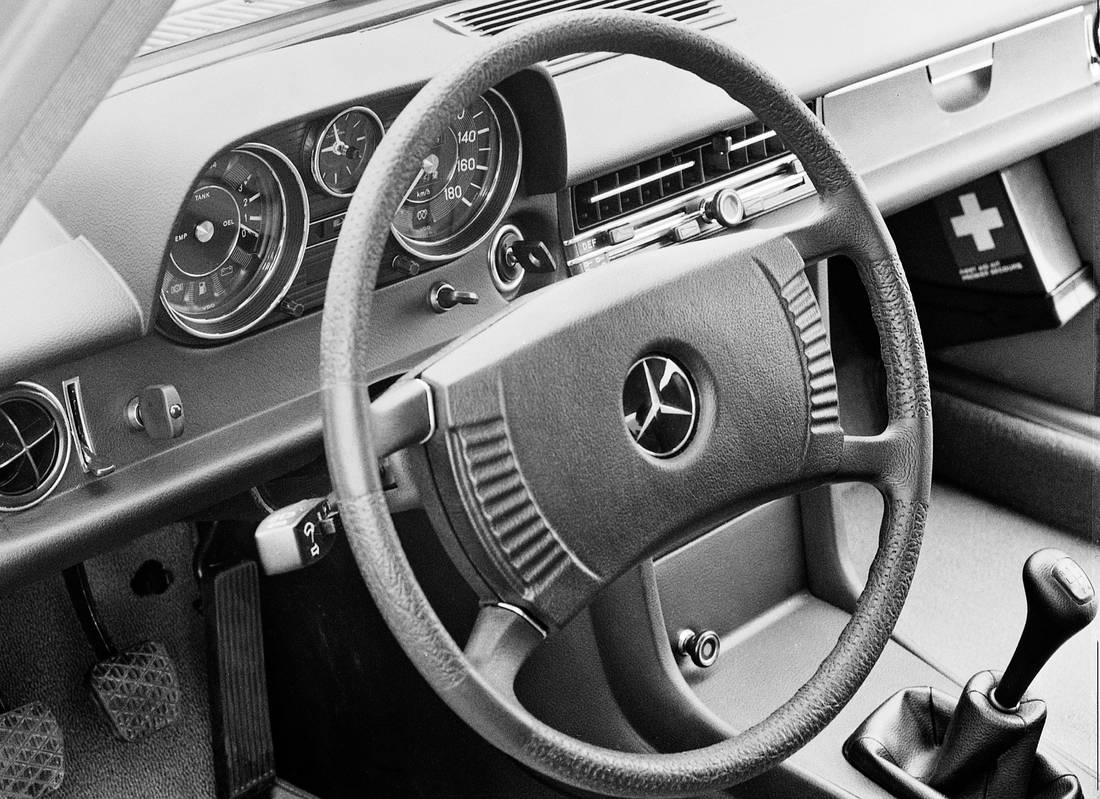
x=1060, y=603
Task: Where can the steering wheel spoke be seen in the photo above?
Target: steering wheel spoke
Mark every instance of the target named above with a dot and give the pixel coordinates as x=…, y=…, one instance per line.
x=821, y=233
x=502, y=639
x=402, y=416
x=889, y=459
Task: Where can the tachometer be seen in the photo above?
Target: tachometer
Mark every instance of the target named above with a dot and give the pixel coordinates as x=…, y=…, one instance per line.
x=466, y=182
x=237, y=243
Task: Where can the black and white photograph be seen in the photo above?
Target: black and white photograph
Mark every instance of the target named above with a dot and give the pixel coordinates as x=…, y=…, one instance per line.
x=549, y=399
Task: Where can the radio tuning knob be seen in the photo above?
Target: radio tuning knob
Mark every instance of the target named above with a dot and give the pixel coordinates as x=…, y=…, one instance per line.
x=725, y=207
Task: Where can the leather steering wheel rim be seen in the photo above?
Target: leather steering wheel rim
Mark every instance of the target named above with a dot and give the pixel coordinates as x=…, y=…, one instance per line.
x=898, y=461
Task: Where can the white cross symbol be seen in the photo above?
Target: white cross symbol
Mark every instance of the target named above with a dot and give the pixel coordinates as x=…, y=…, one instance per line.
x=977, y=222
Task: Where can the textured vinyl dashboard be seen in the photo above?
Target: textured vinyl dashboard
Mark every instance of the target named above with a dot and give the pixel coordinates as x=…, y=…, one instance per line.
x=251, y=404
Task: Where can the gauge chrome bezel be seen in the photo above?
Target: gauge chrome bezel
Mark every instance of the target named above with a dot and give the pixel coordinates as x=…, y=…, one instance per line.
x=315, y=155
x=201, y=328
x=436, y=250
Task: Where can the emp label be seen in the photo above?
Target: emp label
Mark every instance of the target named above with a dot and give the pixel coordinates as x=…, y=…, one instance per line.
x=989, y=269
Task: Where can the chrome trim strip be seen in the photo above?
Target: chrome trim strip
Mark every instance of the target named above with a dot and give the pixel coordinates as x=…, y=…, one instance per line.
x=78, y=421
x=429, y=398
x=741, y=145
x=523, y=614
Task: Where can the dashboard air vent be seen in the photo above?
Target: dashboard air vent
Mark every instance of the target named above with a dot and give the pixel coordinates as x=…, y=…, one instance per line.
x=34, y=445
x=632, y=188
x=495, y=17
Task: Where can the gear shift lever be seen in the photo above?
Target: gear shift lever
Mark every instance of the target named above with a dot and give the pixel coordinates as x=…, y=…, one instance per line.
x=1060, y=603
x=923, y=743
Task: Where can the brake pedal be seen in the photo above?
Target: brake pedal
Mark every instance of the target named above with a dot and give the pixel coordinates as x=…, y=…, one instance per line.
x=138, y=688
x=32, y=752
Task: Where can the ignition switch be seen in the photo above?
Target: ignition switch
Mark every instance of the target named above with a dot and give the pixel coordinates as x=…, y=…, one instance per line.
x=504, y=268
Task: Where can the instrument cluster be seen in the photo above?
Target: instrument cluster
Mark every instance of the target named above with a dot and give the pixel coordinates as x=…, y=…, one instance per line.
x=255, y=234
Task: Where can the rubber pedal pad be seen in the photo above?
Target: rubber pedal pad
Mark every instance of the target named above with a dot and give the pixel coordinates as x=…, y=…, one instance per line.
x=32, y=752
x=244, y=755
x=138, y=690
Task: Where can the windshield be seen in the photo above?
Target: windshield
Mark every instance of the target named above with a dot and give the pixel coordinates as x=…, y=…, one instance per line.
x=188, y=20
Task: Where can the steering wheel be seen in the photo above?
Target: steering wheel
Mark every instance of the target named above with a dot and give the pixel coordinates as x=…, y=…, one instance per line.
x=715, y=356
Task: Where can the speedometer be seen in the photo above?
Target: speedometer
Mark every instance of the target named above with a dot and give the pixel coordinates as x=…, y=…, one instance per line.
x=465, y=184
x=237, y=243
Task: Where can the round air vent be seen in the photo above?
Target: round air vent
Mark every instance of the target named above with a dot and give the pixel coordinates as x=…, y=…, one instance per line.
x=34, y=445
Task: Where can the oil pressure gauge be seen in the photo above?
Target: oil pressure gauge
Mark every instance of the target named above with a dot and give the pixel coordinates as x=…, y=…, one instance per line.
x=343, y=147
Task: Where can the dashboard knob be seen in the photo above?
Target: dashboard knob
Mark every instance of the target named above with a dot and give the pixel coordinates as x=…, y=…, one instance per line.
x=406, y=265
x=725, y=207
x=442, y=297
x=702, y=647
x=158, y=410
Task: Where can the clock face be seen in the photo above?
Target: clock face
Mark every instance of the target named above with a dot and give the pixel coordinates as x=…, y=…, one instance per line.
x=343, y=148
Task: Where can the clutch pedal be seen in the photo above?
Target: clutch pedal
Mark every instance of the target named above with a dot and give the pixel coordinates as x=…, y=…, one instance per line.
x=32, y=752
x=137, y=688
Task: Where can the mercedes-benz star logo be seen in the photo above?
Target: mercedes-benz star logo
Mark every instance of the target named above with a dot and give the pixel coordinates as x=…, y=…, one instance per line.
x=659, y=405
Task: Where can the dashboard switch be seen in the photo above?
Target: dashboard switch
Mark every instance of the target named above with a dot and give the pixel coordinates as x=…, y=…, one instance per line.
x=685, y=230
x=158, y=410
x=442, y=297
x=620, y=234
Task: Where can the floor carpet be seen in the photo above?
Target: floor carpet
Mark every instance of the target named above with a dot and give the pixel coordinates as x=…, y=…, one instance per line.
x=44, y=657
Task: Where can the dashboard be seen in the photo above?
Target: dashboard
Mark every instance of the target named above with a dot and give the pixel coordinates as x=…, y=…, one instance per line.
x=255, y=235
x=197, y=244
